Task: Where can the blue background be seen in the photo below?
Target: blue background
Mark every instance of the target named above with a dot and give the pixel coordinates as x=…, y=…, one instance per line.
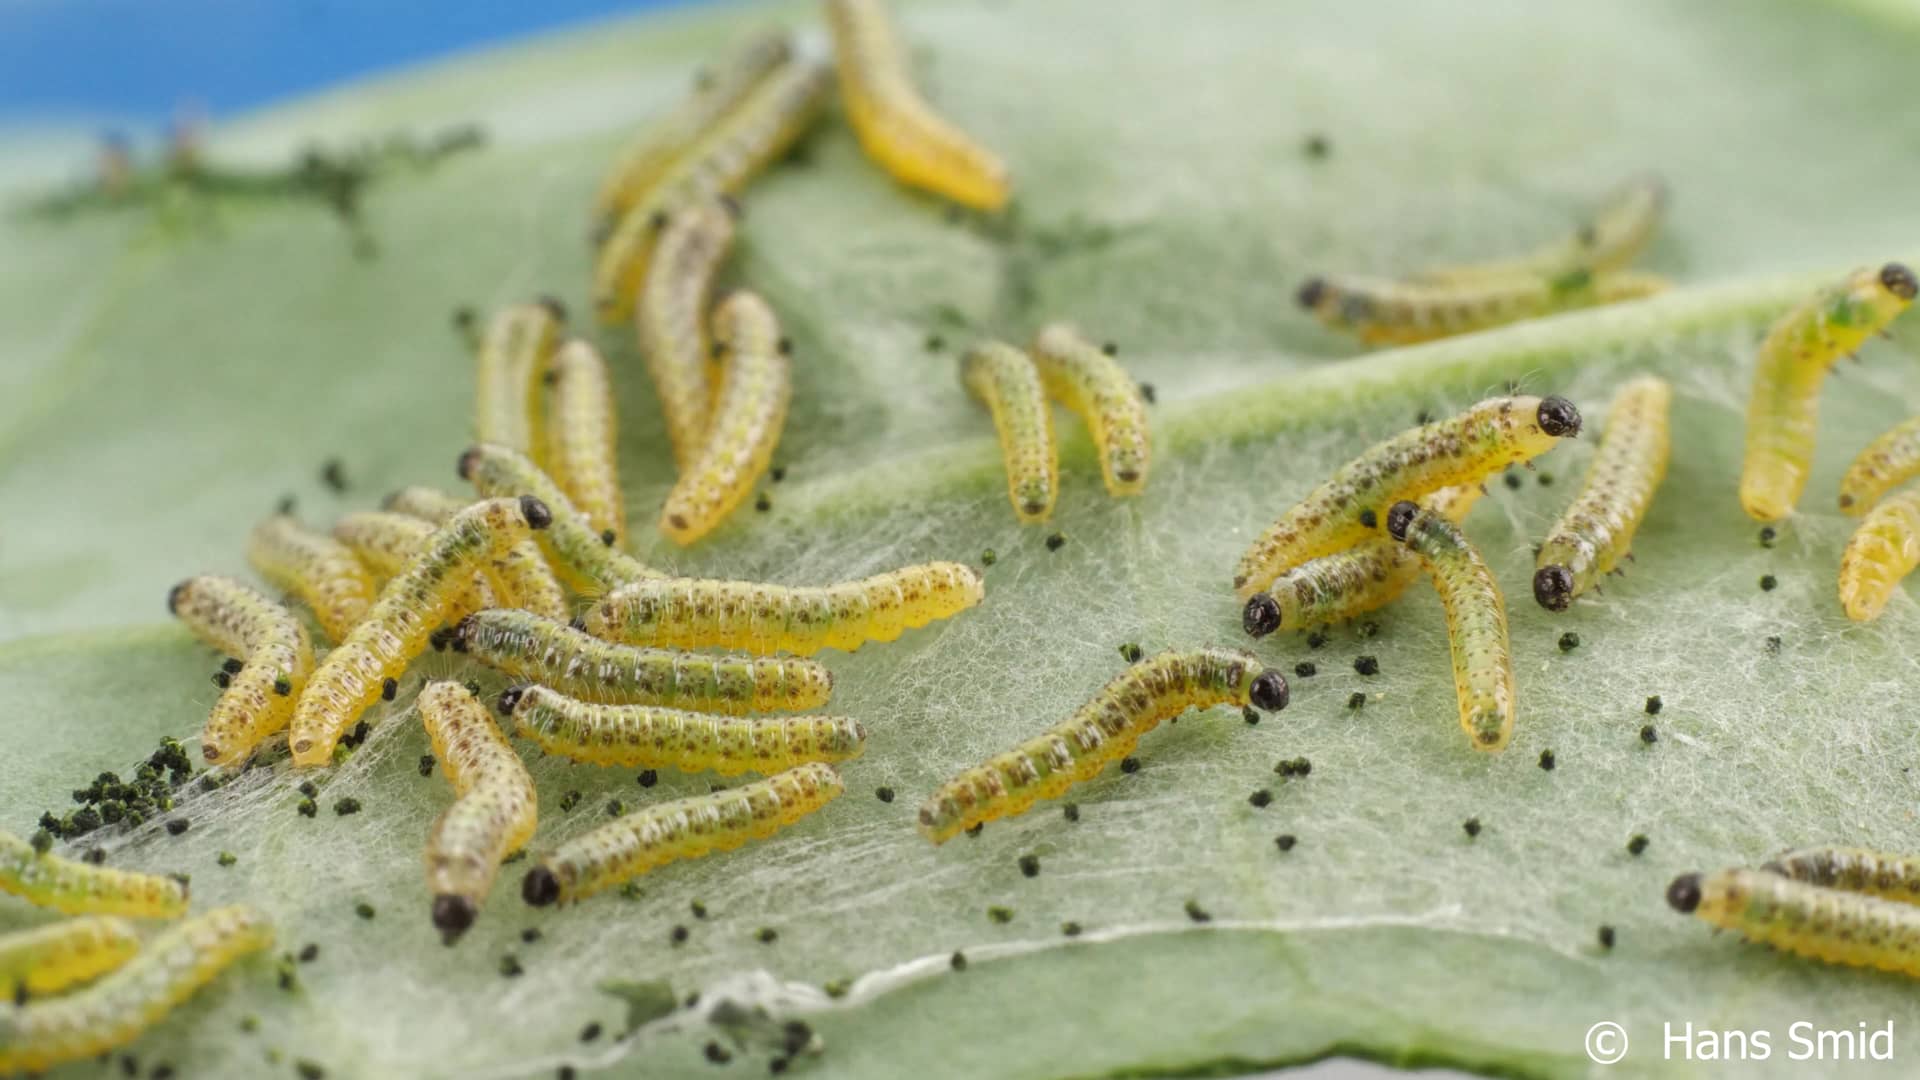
x=137, y=60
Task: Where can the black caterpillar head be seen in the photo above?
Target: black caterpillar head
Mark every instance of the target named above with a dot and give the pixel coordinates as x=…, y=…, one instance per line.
x=1399, y=517
x=1684, y=893
x=1899, y=280
x=1269, y=691
x=1261, y=616
x=1553, y=587
x=1558, y=417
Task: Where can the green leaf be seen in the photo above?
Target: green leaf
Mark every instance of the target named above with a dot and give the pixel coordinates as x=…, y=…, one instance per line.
x=164, y=387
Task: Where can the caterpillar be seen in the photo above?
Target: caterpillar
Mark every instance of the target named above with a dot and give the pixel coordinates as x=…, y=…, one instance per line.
x=896, y=126
x=115, y=1010
x=1476, y=621
x=1596, y=531
x=1337, y=587
x=779, y=110
x=48, y=959
x=1005, y=380
x=385, y=542
x=1890, y=877
x=1093, y=385
x=716, y=94
x=690, y=613
x=77, y=888
x=583, y=558
x=645, y=736
x=1828, y=925
x=670, y=318
x=1379, y=311
x=521, y=578
x=749, y=414
x=1458, y=450
x=1784, y=409
x=583, y=438
x=316, y=568
x=494, y=810
x=512, y=360
x=556, y=655
x=682, y=829
x=352, y=676
x=1100, y=732
x=1883, y=550
x=1887, y=462
x=276, y=655
x=1608, y=241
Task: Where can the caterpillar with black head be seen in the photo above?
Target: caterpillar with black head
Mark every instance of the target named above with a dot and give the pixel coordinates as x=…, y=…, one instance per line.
x=1783, y=412
x=1597, y=530
x=1829, y=925
x=494, y=811
x=1099, y=733
x=682, y=829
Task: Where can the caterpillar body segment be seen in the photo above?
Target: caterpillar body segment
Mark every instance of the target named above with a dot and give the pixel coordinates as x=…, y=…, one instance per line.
x=583, y=439
x=650, y=737
x=1380, y=311
x=670, y=318
x=1099, y=733
x=521, y=578
x=749, y=415
x=78, y=888
x=1888, y=461
x=50, y=958
x=353, y=676
x=895, y=125
x=1858, y=870
x=1092, y=384
x=583, y=558
x=1476, y=622
x=682, y=829
x=556, y=655
x=1609, y=240
x=386, y=542
x=511, y=366
x=1883, y=550
x=315, y=567
x=778, y=111
x=689, y=613
x=1004, y=379
x=718, y=92
x=1783, y=412
x=117, y=1009
x=276, y=655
